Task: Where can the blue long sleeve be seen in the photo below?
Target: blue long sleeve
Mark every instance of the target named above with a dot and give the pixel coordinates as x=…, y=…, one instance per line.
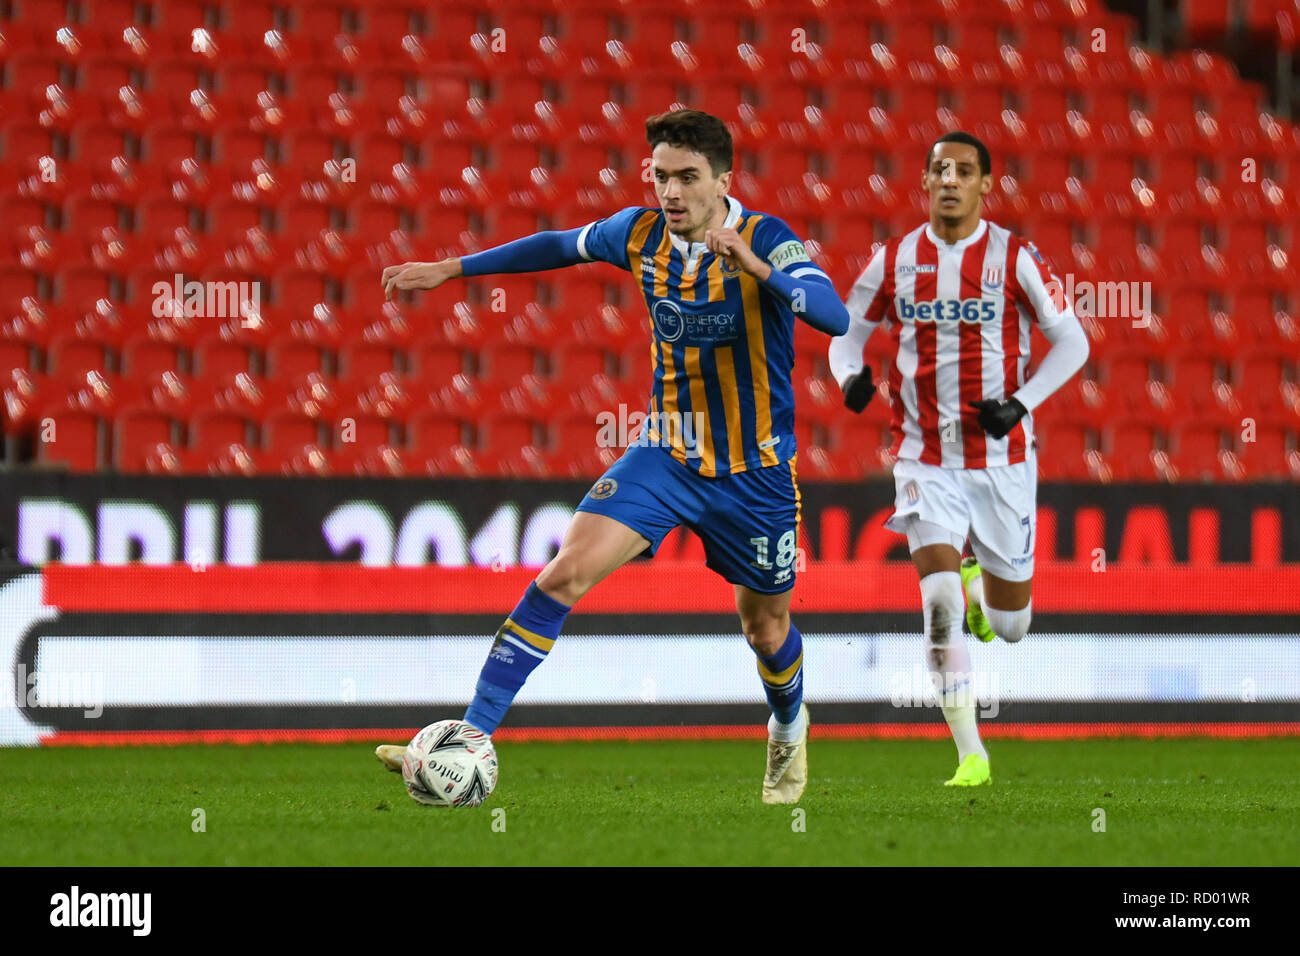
x=822, y=308
x=536, y=253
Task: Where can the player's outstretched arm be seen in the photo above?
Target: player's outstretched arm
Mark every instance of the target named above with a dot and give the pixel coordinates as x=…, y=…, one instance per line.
x=553, y=249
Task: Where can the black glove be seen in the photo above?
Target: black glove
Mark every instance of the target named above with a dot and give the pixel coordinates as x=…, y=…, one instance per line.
x=999, y=416
x=859, y=390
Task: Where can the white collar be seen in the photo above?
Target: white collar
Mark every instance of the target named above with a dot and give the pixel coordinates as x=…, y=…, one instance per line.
x=686, y=248
x=974, y=237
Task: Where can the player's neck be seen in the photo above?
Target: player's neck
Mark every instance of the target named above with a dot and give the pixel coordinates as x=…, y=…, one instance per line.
x=720, y=212
x=955, y=232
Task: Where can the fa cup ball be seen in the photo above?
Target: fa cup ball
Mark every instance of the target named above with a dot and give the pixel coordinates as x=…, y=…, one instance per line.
x=450, y=764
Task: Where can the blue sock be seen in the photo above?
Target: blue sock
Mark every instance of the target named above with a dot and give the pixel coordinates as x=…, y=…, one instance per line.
x=782, y=675
x=521, y=644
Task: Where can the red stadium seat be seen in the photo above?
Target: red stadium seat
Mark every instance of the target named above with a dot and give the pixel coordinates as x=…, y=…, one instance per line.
x=229, y=220
x=307, y=459
x=1125, y=374
x=1204, y=21
x=289, y=358
x=435, y=364
x=303, y=219
x=447, y=224
x=503, y=434
x=16, y=283
x=514, y=158
x=579, y=363
x=170, y=392
x=14, y=355
x=1269, y=452
x=1062, y=450
x=213, y=429
x=165, y=145
x=363, y=361
x=1198, y=450
x=287, y=431
x=21, y=213
x=299, y=288
x=136, y=432
x=317, y=23
x=144, y=356
x=817, y=399
x=70, y=356
x=1128, y=448
x=384, y=87
x=359, y=432
x=575, y=433
x=159, y=215
x=306, y=151
x=577, y=295
x=372, y=220
x=1262, y=377
x=32, y=72
x=507, y=364
x=81, y=287
x=248, y=18
x=433, y=433
x=216, y=358
x=382, y=460
x=90, y=141
x=71, y=438
x=234, y=458
x=25, y=396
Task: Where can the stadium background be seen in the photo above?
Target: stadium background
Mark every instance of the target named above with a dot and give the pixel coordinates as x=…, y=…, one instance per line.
x=298, y=511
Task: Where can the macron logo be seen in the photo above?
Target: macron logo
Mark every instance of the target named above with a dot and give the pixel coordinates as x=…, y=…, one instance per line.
x=102, y=909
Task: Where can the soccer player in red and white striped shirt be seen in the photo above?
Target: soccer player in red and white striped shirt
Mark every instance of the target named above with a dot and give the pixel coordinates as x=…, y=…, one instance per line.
x=959, y=295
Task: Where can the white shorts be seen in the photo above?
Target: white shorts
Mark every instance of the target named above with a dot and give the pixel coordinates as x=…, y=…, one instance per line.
x=995, y=507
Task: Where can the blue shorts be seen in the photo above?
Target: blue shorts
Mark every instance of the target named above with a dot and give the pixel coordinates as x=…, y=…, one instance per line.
x=748, y=522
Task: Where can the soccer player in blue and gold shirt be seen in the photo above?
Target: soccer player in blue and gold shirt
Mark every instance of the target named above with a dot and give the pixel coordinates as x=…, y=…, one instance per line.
x=724, y=286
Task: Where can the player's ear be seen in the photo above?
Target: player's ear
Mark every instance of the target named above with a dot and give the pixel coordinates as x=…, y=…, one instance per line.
x=986, y=184
x=724, y=183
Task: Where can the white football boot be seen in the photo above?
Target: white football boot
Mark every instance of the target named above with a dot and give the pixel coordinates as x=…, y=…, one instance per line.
x=787, y=767
x=390, y=755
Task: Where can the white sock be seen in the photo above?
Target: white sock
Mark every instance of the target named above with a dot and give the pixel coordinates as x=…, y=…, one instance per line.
x=786, y=733
x=948, y=658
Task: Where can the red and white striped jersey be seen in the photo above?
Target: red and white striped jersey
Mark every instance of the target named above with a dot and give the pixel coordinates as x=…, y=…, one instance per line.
x=960, y=316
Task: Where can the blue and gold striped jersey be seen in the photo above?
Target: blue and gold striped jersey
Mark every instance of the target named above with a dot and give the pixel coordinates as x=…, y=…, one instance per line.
x=722, y=343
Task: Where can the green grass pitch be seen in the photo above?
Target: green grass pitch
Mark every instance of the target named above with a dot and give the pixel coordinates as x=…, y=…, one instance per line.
x=1166, y=802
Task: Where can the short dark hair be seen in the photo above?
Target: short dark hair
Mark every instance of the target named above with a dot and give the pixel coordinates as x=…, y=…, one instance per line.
x=961, y=136
x=694, y=130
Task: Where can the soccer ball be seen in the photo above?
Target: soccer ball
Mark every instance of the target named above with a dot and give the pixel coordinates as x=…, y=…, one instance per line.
x=450, y=764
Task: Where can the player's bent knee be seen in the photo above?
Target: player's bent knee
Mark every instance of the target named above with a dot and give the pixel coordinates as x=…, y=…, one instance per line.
x=564, y=579
x=766, y=634
x=1011, y=626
